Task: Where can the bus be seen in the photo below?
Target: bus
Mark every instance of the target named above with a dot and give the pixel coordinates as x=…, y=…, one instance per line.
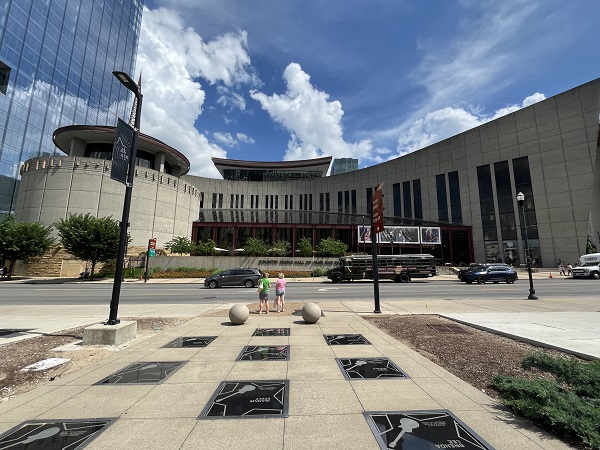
x=400, y=268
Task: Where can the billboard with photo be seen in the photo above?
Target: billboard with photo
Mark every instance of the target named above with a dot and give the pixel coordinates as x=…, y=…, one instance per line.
x=396, y=235
x=431, y=235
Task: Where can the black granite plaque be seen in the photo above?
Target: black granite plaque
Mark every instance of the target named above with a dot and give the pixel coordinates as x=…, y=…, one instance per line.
x=271, y=332
x=346, y=339
x=248, y=399
x=191, y=341
x=9, y=331
x=53, y=435
x=143, y=373
x=369, y=368
x=422, y=430
x=264, y=352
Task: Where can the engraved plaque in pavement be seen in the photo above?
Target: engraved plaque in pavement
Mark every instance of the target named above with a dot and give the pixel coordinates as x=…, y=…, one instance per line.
x=191, y=341
x=143, y=373
x=346, y=339
x=53, y=435
x=271, y=332
x=265, y=352
x=369, y=368
x=248, y=399
x=422, y=430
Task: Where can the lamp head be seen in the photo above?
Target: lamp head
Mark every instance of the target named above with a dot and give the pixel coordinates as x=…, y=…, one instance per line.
x=126, y=81
x=520, y=198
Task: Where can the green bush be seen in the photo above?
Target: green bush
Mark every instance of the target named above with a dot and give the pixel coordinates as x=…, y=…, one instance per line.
x=319, y=272
x=569, y=407
x=331, y=247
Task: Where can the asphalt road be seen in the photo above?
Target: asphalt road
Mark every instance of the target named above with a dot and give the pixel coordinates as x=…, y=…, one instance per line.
x=91, y=293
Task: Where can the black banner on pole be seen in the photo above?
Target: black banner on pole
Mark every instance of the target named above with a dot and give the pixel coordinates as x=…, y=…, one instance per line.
x=121, y=152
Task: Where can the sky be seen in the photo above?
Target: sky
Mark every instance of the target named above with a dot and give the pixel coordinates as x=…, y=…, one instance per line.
x=280, y=80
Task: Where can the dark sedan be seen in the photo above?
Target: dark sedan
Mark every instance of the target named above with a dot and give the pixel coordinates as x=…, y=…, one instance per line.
x=493, y=273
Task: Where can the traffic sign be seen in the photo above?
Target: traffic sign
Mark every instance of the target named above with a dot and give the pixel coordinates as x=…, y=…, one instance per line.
x=377, y=208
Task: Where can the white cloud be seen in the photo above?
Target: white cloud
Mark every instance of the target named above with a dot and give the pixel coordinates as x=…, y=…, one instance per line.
x=172, y=57
x=230, y=99
x=313, y=121
x=241, y=137
x=446, y=122
x=228, y=140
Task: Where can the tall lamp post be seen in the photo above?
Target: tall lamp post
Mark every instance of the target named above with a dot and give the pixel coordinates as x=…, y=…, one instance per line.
x=131, y=85
x=521, y=202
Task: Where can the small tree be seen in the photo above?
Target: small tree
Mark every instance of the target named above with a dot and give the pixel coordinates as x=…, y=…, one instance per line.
x=256, y=246
x=23, y=240
x=305, y=247
x=331, y=247
x=89, y=238
x=181, y=244
x=589, y=246
x=282, y=248
x=205, y=248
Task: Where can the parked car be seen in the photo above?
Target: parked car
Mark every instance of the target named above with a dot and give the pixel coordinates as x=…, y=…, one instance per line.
x=234, y=277
x=494, y=273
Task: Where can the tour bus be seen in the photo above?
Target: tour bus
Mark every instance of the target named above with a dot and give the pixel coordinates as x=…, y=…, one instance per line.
x=400, y=268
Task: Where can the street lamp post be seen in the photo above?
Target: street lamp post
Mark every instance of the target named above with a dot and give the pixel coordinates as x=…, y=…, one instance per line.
x=126, y=81
x=521, y=202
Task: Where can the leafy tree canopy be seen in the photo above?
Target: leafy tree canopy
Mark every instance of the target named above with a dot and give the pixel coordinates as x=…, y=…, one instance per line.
x=305, y=247
x=256, y=246
x=181, y=244
x=23, y=240
x=89, y=238
x=331, y=247
x=205, y=248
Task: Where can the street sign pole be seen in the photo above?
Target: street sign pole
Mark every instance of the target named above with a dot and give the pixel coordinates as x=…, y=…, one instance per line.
x=151, y=252
x=376, y=227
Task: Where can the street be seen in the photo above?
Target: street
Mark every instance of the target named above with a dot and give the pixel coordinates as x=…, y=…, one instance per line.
x=93, y=293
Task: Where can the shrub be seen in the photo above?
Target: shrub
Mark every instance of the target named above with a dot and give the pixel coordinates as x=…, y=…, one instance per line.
x=570, y=409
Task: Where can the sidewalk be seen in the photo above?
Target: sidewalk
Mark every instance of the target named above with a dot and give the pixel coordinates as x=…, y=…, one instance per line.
x=324, y=410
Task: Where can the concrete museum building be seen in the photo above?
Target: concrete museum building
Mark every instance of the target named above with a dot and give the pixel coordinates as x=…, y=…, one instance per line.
x=464, y=187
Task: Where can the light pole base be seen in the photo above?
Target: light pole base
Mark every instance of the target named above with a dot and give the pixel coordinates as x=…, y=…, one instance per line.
x=377, y=311
x=532, y=297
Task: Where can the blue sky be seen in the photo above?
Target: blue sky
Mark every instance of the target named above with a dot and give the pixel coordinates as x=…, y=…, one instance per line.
x=273, y=80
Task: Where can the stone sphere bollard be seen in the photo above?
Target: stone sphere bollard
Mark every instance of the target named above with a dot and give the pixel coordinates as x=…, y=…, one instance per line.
x=238, y=314
x=311, y=313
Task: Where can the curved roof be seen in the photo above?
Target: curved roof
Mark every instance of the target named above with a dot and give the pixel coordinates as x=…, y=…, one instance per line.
x=314, y=165
x=97, y=133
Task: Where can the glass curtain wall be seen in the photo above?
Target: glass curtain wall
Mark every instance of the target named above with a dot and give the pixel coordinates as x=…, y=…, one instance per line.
x=57, y=58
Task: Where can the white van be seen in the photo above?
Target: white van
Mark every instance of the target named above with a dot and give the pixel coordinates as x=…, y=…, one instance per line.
x=589, y=266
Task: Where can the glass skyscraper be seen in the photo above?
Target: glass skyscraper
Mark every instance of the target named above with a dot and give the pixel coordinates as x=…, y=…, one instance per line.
x=56, y=63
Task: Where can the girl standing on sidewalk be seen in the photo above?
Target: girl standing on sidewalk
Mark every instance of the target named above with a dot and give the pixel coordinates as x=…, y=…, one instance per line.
x=280, y=294
x=263, y=293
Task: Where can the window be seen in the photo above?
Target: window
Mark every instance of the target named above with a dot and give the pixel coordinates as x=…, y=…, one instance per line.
x=369, y=204
x=486, y=204
x=455, y=207
x=397, y=200
x=442, y=199
x=353, y=201
x=341, y=202
x=4, y=77
x=417, y=199
x=407, y=199
x=506, y=213
x=327, y=205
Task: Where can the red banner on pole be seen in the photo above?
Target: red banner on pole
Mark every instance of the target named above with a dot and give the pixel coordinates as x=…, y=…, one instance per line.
x=377, y=208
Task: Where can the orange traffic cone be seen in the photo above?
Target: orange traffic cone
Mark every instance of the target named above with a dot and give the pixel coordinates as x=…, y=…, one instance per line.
x=550, y=275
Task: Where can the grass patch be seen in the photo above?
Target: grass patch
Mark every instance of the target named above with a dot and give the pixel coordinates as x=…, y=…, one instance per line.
x=568, y=407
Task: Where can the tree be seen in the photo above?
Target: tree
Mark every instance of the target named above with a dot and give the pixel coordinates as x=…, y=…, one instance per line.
x=23, y=240
x=282, y=247
x=589, y=246
x=256, y=246
x=331, y=247
x=181, y=244
x=205, y=248
x=305, y=247
x=89, y=238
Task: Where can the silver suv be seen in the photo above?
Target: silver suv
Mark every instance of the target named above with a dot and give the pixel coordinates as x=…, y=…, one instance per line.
x=234, y=277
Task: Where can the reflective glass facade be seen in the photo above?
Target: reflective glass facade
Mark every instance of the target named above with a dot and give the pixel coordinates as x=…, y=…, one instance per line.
x=56, y=63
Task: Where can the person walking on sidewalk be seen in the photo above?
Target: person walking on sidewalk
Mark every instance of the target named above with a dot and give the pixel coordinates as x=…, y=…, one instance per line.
x=569, y=269
x=280, y=294
x=561, y=268
x=263, y=293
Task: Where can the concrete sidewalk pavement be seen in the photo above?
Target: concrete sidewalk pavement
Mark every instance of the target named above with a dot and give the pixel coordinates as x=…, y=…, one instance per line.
x=325, y=410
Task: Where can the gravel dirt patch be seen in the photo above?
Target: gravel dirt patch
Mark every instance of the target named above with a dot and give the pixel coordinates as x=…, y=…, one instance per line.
x=17, y=355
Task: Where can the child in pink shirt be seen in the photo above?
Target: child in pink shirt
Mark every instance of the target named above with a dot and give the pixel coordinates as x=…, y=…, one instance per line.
x=280, y=294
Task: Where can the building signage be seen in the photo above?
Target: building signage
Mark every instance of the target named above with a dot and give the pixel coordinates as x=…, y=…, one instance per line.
x=402, y=235
x=121, y=152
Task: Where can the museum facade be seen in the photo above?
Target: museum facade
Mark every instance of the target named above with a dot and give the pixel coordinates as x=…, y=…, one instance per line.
x=463, y=188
